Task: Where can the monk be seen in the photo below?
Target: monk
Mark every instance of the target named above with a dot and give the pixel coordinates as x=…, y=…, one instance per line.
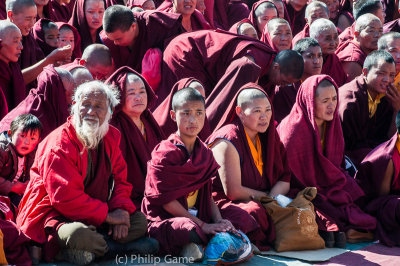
x=312, y=136
x=352, y=53
x=46, y=34
x=70, y=36
x=145, y=4
x=378, y=175
x=314, y=11
x=140, y=132
x=84, y=171
x=129, y=35
x=11, y=81
x=390, y=42
x=192, y=19
x=161, y=113
x=277, y=34
x=87, y=18
x=280, y=6
x=244, y=27
x=80, y=74
x=368, y=106
x=325, y=32
x=253, y=164
x=32, y=61
x=177, y=200
x=296, y=10
x=262, y=12
x=285, y=96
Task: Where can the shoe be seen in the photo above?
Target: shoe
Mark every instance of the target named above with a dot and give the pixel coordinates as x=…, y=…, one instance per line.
x=328, y=237
x=193, y=252
x=142, y=246
x=78, y=256
x=340, y=239
x=355, y=236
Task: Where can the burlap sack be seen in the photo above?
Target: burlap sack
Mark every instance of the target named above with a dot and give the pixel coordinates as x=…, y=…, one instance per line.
x=295, y=225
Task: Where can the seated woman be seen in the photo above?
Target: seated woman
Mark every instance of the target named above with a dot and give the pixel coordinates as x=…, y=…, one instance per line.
x=87, y=18
x=313, y=138
x=161, y=113
x=140, y=133
x=244, y=27
x=253, y=164
x=69, y=35
x=192, y=19
x=261, y=12
x=277, y=34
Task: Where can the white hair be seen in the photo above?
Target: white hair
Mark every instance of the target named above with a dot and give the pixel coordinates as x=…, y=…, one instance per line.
x=319, y=26
x=363, y=21
x=313, y=5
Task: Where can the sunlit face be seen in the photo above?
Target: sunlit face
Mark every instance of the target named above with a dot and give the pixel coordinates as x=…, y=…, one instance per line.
x=25, y=142
x=316, y=13
x=25, y=19
x=312, y=61
x=328, y=40
x=380, y=76
x=369, y=36
x=267, y=15
x=297, y=4
x=248, y=30
x=184, y=7
x=122, y=38
x=11, y=46
x=255, y=116
x=135, y=97
x=94, y=11
x=325, y=104
x=333, y=6
x=93, y=107
x=281, y=9
x=99, y=71
x=189, y=118
x=52, y=37
x=67, y=38
x=394, y=50
x=149, y=5
x=281, y=36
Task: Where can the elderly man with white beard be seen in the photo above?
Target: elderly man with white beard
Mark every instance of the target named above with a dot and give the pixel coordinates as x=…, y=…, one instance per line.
x=77, y=204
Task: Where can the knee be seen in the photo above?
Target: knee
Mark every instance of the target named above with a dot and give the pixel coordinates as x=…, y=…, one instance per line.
x=77, y=235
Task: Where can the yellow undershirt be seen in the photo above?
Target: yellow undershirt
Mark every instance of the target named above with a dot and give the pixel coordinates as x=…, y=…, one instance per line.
x=3, y=260
x=373, y=104
x=397, y=82
x=256, y=152
x=398, y=143
x=192, y=198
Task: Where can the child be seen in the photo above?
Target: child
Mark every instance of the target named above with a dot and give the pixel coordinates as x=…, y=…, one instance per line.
x=16, y=157
x=46, y=34
x=177, y=200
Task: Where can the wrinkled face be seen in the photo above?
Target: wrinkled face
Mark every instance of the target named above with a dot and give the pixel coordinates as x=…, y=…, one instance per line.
x=122, y=38
x=312, y=61
x=255, y=116
x=135, y=98
x=248, y=30
x=25, y=142
x=189, y=118
x=297, y=4
x=99, y=71
x=328, y=40
x=52, y=37
x=41, y=2
x=281, y=36
x=25, y=19
x=369, y=36
x=184, y=7
x=267, y=15
x=380, y=76
x=281, y=9
x=94, y=11
x=201, y=6
x=149, y=5
x=316, y=13
x=11, y=46
x=333, y=6
x=325, y=103
x=67, y=38
x=93, y=107
x=394, y=50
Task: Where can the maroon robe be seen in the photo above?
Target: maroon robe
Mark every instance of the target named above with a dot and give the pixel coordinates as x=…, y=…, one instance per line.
x=350, y=51
x=302, y=34
x=314, y=166
x=114, y=2
x=297, y=18
x=48, y=103
x=198, y=22
x=284, y=99
x=135, y=149
x=3, y=105
x=3, y=13
x=392, y=26
x=31, y=53
x=361, y=133
x=334, y=68
x=162, y=112
x=77, y=52
x=38, y=35
x=251, y=217
x=12, y=84
x=173, y=173
x=222, y=14
x=253, y=17
x=347, y=34
x=155, y=28
x=59, y=13
x=15, y=244
x=78, y=20
x=385, y=208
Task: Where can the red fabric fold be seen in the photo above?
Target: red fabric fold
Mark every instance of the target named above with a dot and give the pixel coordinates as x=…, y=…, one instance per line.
x=12, y=84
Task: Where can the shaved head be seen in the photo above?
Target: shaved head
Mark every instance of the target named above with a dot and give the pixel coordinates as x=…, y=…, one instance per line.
x=276, y=21
x=68, y=83
x=185, y=95
x=81, y=75
x=364, y=21
x=18, y=6
x=6, y=27
x=319, y=26
x=96, y=54
x=386, y=38
x=312, y=7
x=248, y=30
x=291, y=63
x=247, y=97
x=266, y=5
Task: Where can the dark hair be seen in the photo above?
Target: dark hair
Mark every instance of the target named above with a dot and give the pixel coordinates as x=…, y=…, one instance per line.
x=118, y=17
x=17, y=6
x=27, y=122
x=363, y=7
x=303, y=44
x=291, y=63
x=186, y=95
x=374, y=57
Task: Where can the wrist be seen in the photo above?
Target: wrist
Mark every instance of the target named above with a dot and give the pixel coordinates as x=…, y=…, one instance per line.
x=201, y=224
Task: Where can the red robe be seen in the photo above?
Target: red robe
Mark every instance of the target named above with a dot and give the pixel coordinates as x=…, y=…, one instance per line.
x=31, y=53
x=48, y=103
x=3, y=105
x=222, y=14
x=347, y=34
x=253, y=17
x=284, y=99
x=361, y=133
x=38, y=35
x=155, y=29
x=392, y=26
x=302, y=34
x=385, y=208
x=297, y=18
x=77, y=52
x=162, y=112
x=135, y=149
x=59, y=13
x=12, y=84
x=251, y=217
x=349, y=51
x=334, y=68
x=3, y=13
x=15, y=244
x=63, y=162
x=315, y=166
x=171, y=175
